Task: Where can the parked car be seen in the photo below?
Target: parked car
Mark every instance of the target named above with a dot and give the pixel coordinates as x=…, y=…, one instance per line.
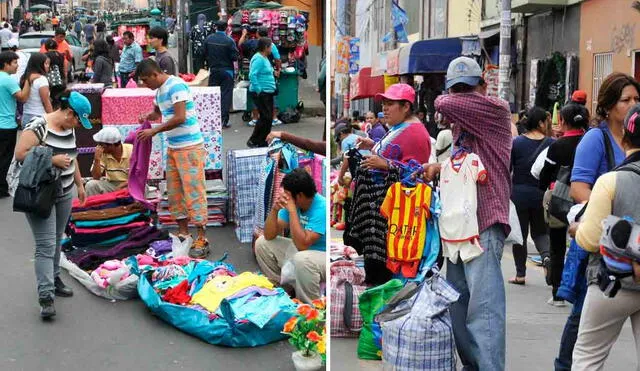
x=30, y=43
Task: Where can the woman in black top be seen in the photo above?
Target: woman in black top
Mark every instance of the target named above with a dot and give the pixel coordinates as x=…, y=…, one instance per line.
x=574, y=120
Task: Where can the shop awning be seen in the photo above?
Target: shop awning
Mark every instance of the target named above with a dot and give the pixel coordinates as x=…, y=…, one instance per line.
x=428, y=56
x=363, y=85
x=379, y=65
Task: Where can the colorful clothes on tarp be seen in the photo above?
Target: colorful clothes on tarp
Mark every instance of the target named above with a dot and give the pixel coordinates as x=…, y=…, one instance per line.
x=220, y=287
x=258, y=308
x=178, y=294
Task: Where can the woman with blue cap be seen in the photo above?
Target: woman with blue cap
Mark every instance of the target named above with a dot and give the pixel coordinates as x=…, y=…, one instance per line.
x=55, y=130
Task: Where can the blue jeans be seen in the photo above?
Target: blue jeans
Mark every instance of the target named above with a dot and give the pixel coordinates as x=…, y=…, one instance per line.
x=569, y=337
x=479, y=314
x=48, y=234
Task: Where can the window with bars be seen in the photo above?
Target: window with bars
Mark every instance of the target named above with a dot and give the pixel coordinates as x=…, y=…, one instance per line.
x=602, y=67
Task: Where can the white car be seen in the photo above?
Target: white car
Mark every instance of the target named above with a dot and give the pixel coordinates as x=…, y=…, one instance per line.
x=30, y=43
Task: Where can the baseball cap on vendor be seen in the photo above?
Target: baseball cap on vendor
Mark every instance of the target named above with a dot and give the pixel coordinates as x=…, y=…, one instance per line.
x=398, y=92
x=108, y=135
x=579, y=96
x=463, y=70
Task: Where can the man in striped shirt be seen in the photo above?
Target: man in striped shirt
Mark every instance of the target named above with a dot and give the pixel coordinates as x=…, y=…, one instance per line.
x=186, y=154
x=484, y=126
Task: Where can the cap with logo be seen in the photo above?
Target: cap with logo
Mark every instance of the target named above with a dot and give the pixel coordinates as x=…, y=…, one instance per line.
x=463, y=70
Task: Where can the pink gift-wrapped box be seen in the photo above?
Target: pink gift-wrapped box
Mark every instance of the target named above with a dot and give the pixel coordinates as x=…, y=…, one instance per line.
x=124, y=106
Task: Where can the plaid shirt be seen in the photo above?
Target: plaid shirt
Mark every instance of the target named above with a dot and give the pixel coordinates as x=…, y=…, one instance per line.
x=487, y=120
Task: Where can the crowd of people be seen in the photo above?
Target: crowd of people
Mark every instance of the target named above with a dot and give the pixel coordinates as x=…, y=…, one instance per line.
x=564, y=172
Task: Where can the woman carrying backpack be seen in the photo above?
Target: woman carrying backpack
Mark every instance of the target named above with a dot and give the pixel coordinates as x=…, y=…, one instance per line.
x=574, y=121
x=615, y=193
x=39, y=101
x=57, y=74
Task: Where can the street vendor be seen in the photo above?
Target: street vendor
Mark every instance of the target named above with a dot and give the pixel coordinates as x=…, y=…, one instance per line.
x=301, y=209
x=110, y=169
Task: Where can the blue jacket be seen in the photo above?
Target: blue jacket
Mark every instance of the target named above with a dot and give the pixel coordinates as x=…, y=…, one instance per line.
x=221, y=51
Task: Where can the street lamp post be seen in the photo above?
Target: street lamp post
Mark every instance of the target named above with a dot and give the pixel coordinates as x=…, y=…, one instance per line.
x=505, y=50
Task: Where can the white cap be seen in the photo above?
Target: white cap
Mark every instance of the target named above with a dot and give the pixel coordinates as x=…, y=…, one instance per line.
x=13, y=43
x=109, y=135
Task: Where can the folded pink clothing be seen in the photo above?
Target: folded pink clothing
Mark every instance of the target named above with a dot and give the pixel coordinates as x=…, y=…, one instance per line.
x=107, y=229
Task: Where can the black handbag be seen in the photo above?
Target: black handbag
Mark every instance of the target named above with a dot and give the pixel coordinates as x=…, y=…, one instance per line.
x=561, y=202
x=38, y=201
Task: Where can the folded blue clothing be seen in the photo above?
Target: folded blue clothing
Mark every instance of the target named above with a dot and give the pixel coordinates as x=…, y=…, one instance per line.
x=111, y=222
x=260, y=309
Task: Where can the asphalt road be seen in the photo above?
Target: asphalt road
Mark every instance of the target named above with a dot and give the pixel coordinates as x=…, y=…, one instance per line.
x=90, y=332
x=533, y=329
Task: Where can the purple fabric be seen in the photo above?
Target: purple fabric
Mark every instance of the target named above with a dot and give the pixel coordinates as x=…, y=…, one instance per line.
x=139, y=166
x=162, y=246
x=137, y=243
x=253, y=290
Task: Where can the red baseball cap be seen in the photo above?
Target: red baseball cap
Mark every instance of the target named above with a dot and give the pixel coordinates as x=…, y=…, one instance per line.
x=579, y=96
x=398, y=92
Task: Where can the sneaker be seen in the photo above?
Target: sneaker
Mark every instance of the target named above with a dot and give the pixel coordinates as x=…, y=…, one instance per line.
x=556, y=303
x=226, y=125
x=546, y=265
x=47, y=310
x=62, y=290
x=252, y=123
x=199, y=249
x=276, y=122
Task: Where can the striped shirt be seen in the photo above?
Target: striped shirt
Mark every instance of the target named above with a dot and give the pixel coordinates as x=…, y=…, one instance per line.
x=487, y=120
x=61, y=142
x=175, y=90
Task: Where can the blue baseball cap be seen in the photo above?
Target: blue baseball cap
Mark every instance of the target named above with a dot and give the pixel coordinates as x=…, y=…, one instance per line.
x=380, y=115
x=81, y=106
x=463, y=70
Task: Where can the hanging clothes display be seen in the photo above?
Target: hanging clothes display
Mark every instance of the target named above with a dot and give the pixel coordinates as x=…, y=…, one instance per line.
x=367, y=228
x=407, y=211
x=459, y=196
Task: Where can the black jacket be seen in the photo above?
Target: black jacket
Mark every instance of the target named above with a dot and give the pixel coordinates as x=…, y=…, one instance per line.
x=221, y=51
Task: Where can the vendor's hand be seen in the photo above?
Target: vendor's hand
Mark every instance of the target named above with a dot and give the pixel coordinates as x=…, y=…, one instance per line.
x=573, y=229
x=274, y=134
x=146, y=134
x=291, y=203
x=61, y=161
x=364, y=143
x=99, y=151
x=430, y=171
x=374, y=162
x=82, y=195
x=281, y=202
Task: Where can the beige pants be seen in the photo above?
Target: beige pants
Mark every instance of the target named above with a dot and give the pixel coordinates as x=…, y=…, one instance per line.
x=102, y=186
x=600, y=324
x=310, y=266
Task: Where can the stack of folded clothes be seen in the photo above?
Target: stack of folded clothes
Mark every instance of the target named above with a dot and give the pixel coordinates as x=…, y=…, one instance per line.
x=217, y=198
x=109, y=226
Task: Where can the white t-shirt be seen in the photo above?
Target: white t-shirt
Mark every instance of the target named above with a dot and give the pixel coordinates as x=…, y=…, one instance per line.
x=33, y=105
x=5, y=36
x=459, y=196
x=23, y=59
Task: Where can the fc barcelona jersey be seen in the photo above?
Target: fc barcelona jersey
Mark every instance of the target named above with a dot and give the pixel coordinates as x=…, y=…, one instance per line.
x=407, y=211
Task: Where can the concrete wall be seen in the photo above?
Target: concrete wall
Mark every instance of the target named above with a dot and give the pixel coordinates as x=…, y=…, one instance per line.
x=549, y=32
x=464, y=17
x=607, y=26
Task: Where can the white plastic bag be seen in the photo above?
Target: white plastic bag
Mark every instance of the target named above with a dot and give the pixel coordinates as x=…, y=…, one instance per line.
x=288, y=271
x=515, y=237
x=180, y=248
x=121, y=290
x=536, y=169
x=239, y=99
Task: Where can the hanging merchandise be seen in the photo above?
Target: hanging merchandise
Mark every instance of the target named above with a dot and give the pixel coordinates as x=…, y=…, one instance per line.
x=418, y=318
x=551, y=82
x=458, y=192
x=407, y=212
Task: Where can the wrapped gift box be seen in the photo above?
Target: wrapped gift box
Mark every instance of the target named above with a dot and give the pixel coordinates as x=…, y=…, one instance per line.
x=124, y=106
x=207, y=101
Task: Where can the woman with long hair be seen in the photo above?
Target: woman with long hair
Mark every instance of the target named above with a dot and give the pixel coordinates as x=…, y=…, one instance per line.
x=39, y=101
x=104, y=65
x=55, y=130
x=56, y=63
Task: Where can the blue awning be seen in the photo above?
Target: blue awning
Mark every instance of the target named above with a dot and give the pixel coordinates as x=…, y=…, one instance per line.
x=429, y=56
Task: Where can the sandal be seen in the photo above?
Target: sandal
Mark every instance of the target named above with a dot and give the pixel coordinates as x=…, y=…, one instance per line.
x=517, y=280
x=199, y=249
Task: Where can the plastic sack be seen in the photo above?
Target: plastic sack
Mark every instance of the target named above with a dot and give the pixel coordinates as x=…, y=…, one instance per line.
x=224, y=330
x=371, y=301
x=239, y=99
x=288, y=271
x=515, y=236
x=180, y=248
x=122, y=290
